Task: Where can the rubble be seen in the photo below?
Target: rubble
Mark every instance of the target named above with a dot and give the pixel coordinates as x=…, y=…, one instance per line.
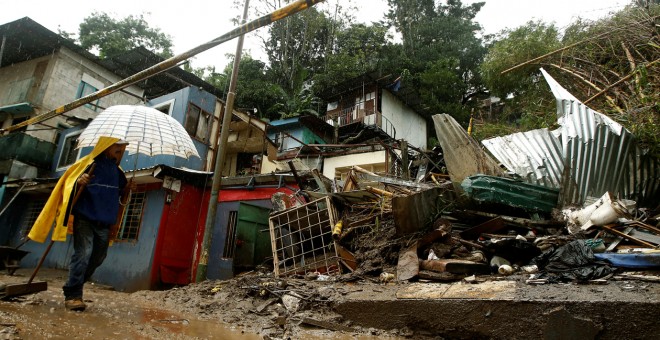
x=473, y=219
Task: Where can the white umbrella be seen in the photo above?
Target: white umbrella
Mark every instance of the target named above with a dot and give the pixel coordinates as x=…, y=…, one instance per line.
x=148, y=131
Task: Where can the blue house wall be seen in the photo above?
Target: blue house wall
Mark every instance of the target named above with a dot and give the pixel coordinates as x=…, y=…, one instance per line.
x=293, y=127
x=220, y=268
x=128, y=264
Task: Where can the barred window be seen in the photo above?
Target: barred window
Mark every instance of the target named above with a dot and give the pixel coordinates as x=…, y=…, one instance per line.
x=31, y=213
x=230, y=240
x=130, y=224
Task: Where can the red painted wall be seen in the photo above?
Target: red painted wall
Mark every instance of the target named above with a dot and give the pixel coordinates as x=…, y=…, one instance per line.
x=232, y=195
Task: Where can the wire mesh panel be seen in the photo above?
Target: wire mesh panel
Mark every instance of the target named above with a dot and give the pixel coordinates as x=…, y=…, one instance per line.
x=301, y=239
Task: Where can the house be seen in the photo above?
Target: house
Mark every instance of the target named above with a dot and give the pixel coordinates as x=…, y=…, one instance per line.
x=296, y=138
x=368, y=122
x=161, y=234
x=240, y=238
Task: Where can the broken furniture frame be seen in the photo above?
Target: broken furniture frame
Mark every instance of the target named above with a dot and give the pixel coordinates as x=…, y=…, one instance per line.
x=301, y=239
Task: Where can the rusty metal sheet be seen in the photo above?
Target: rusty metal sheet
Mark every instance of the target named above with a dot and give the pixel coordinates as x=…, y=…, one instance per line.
x=413, y=212
x=408, y=265
x=463, y=155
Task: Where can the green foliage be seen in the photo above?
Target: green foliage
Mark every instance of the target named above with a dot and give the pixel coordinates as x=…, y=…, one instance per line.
x=297, y=44
x=524, y=43
x=611, y=57
x=442, y=51
x=112, y=37
x=355, y=51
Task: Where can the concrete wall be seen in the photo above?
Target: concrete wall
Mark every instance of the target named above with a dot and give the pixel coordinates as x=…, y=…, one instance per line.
x=372, y=161
x=409, y=125
x=54, y=82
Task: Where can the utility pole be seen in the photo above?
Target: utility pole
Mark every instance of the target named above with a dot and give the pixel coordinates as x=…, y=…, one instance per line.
x=220, y=159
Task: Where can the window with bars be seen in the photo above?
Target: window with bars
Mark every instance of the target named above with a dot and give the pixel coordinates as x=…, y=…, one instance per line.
x=33, y=210
x=130, y=224
x=230, y=240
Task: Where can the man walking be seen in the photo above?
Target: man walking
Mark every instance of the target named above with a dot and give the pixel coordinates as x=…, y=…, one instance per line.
x=90, y=190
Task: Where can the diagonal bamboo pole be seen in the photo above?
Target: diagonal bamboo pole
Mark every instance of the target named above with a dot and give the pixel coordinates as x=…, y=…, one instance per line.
x=167, y=64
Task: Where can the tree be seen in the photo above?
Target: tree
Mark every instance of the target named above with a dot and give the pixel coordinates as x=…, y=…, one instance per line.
x=608, y=64
x=356, y=50
x=441, y=50
x=254, y=90
x=112, y=37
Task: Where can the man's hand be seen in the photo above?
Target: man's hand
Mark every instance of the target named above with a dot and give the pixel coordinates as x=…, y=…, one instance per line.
x=84, y=179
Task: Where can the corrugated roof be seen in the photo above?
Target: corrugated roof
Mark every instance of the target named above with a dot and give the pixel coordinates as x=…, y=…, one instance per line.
x=534, y=155
x=589, y=155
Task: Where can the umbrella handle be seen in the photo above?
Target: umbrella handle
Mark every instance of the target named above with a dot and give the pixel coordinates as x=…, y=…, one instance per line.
x=82, y=187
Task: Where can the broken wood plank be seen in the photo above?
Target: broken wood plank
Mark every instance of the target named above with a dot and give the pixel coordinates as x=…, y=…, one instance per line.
x=455, y=266
x=346, y=257
x=364, y=171
x=644, y=226
x=611, y=229
x=442, y=277
x=644, y=236
x=645, y=278
x=333, y=326
x=408, y=265
x=319, y=182
x=379, y=191
x=264, y=305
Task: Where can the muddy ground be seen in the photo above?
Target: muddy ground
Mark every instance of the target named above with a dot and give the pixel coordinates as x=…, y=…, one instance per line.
x=362, y=304
x=247, y=307
x=208, y=310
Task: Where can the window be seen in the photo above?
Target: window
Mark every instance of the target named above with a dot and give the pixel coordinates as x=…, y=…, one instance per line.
x=165, y=107
x=33, y=210
x=85, y=89
x=130, y=224
x=283, y=141
x=197, y=122
x=69, y=152
x=230, y=240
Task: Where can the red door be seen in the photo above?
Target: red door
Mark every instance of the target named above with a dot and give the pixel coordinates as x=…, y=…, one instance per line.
x=173, y=260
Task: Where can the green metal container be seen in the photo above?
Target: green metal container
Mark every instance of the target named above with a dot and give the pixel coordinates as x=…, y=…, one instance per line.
x=491, y=189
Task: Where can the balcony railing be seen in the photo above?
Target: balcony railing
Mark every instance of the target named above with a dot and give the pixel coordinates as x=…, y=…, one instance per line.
x=354, y=115
x=27, y=149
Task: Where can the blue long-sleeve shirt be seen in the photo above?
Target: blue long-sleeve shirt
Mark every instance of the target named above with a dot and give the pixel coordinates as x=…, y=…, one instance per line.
x=99, y=200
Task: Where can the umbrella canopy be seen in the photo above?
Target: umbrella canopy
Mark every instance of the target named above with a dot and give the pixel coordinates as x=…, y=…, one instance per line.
x=148, y=131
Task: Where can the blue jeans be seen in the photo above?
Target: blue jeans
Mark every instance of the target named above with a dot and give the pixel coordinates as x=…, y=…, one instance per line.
x=90, y=246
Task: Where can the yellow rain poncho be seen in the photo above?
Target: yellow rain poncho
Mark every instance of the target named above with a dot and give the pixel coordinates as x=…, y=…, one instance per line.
x=57, y=208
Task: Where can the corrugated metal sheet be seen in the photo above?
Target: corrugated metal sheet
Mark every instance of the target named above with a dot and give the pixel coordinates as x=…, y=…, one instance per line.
x=534, y=155
x=589, y=155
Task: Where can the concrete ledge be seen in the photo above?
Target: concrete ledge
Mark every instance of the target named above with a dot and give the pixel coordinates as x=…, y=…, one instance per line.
x=509, y=310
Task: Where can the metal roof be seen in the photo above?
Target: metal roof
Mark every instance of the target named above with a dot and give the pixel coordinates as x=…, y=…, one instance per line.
x=590, y=154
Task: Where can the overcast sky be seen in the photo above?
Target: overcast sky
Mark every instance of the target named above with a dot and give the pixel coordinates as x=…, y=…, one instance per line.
x=193, y=22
